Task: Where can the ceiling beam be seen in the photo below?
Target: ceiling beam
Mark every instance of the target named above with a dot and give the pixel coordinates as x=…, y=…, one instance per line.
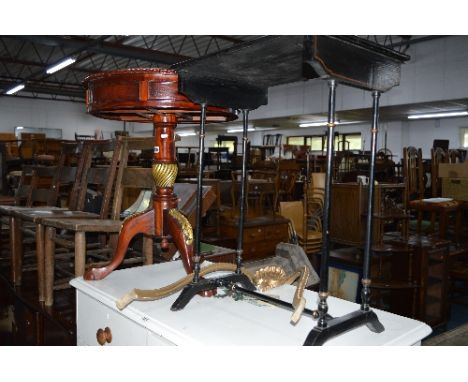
x=415, y=40
x=50, y=98
x=228, y=38
x=77, y=42
x=11, y=81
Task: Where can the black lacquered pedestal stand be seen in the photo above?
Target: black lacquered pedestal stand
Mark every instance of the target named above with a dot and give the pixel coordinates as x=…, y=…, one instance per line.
x=199, y=285
x=326, y=327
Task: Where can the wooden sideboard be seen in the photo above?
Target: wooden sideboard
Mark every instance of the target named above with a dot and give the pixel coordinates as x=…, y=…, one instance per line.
x=261, y=235
x=349, y=210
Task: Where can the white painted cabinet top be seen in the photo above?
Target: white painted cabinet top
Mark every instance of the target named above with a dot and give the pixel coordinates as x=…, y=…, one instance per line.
x=225, y=321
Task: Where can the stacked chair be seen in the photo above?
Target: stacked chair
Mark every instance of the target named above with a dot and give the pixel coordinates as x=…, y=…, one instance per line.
x=26, y=223
x=413, y=172
x=305, y=230
x=72, y=234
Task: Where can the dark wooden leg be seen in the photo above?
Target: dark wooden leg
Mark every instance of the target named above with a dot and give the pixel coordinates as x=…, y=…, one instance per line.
x=420, y=218
x=443, y=220
x=458, y=225
x=148, y=249
x=49, y=265
x=133, y=225
x=16, y=243
x=40, y=260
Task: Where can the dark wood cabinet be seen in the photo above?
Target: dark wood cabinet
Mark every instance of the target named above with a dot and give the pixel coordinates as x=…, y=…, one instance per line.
x=431, y=272
x=349, y=210
x=261, y=235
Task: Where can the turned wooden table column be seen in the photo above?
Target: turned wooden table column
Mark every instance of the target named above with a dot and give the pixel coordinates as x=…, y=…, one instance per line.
x=150, y=96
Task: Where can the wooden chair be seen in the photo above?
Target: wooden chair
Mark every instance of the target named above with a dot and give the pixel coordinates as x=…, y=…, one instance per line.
x=258, y=188
x=44, y=200
x=288, y=172
x=22, y=196
x=29, y=222
x=315, y=192
x=438, y=156
x=308, y=231
x=107, y=223
x=455, y=156
x=413, y=173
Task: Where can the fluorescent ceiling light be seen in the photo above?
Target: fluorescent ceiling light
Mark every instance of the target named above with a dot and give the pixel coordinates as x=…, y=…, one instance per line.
x=19, y=127
x=15, y=89
x=240, y=130
x=314, y=124
x=60, y=65
x=439, y=115
x=325, y=123
x=186, y=133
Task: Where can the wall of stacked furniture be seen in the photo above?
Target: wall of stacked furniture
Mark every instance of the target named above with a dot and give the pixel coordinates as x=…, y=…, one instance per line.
x=84, y=188
x=418, y=265
x=77, y=194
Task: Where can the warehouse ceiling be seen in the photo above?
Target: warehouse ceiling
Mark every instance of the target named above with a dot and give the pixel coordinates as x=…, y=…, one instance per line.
x=24, y=59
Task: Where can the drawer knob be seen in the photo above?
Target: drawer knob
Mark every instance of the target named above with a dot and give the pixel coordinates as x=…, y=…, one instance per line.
x=104, y=336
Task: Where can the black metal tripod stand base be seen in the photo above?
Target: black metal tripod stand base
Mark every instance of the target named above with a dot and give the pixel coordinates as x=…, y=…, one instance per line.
x=193, y=289
x=339, y=325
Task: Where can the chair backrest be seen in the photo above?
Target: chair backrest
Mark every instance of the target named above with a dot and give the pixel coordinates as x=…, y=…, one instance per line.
x=24, y=190
x=317, y=180
x=455, y=156
x=74, y=162
x=294, y=211
x=288, y=172
x=438, y=155
x=128, y=177
x=44, y=190
x=413, y=173
x=11, y=145
x=102, y=177
x=48, y=181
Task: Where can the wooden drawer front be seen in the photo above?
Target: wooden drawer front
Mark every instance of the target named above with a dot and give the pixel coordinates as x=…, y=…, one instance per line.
x=93, y=315
x=254, y=234
x=277, y=232
x=259, y=250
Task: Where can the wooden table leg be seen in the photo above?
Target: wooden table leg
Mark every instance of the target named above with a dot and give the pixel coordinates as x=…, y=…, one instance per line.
x=40, y=256
x=443, y=223
x=148, y=249
x=49, y=265
x=458, y=225
x=133, y=225
x=16, y=244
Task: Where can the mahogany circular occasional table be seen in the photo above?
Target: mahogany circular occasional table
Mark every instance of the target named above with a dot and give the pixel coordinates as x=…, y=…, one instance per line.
x=151, y=96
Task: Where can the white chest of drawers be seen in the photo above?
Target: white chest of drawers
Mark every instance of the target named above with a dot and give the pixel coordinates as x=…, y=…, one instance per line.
x=215, y=320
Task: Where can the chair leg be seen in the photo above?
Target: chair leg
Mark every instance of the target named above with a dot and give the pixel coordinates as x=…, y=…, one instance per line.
x=40, y=256
x=148, y=249
x=16, y=243
x=458, y=225
x=420, y=217
x=443, y=222
x=49, y=265
x=80, y=253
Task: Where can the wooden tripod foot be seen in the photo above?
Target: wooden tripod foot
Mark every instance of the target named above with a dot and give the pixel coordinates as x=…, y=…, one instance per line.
x=133, y=225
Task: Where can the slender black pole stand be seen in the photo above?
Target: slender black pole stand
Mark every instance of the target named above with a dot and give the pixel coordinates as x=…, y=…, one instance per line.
x=329, y=328
x=199, y=285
